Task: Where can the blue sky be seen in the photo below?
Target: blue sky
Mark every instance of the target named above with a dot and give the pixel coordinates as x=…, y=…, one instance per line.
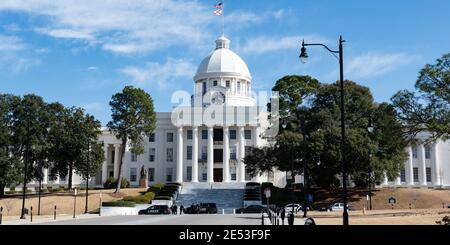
x=80, y=54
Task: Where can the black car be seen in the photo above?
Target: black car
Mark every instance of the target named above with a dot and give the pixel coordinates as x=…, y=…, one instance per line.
x=252, y=209
x=208, y=208
x=155, y=209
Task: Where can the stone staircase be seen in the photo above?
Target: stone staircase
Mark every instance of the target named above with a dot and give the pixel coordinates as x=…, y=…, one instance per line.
x=227, y=196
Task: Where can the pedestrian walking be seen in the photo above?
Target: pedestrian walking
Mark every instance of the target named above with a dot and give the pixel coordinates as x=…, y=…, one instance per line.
x=181, y=209
x=283, y=215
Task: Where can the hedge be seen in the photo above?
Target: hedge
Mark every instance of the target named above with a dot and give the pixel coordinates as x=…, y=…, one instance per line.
x=119, y=204
x=111, y=183
x=141, y=199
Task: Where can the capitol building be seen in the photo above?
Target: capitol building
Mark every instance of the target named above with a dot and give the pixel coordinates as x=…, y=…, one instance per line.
x=189, y=147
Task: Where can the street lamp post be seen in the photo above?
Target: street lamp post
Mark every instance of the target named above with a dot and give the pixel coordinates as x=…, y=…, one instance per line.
x=305, y=168
x=303, y=57
x=370, y=131
x=27, y=150
x=87, y=177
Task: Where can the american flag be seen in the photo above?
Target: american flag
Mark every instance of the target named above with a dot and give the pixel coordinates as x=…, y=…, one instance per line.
x=218, y=12
x=218, y=5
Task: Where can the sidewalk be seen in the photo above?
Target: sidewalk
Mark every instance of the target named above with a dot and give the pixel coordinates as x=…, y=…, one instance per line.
x=44, y=219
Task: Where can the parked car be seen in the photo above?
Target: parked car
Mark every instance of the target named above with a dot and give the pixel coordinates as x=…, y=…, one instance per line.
x=193, y=209
x=338, y=207
x=208, y=208
x=155, y=209
x=252, y=209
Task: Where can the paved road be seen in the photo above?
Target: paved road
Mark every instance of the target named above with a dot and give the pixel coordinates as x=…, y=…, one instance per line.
x=202, y=219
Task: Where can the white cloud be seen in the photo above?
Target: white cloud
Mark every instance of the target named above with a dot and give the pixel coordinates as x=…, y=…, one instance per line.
x=278, y=14
x=12, y=55
x=266, y=44
x=10, y=44
x=125, y=27
x=160, y=74
x=92, y=68
x=376, y=63
x=65, y=33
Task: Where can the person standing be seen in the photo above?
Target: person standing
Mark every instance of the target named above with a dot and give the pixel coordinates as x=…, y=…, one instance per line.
x=283, y=215
x=181, y=209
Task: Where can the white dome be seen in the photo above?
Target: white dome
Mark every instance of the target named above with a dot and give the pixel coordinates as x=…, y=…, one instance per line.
x=223, y=61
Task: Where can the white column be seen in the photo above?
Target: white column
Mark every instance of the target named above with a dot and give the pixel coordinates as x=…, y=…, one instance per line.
x=398, y=181
x=105, y=164
x=180, y=155
x=116, y=160
x=210, y=167
x=385, y=180
x=226, y=155
x=437, y=167
x=194, y=155
x=423, y=165
x=44, y=181
x=410, y=167
x=241, y=167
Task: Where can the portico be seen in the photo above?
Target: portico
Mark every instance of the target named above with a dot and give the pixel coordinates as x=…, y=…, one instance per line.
x=218, y=140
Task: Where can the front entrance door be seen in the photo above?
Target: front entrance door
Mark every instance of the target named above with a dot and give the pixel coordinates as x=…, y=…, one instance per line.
x=218, y=175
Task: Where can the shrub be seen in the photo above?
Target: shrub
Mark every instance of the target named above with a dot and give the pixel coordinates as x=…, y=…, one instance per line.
x=10, y=192
x=141, y=199
x=111, y=183
x=12, y=188
x=119, y=204
x=59, y=189
x=156, y=187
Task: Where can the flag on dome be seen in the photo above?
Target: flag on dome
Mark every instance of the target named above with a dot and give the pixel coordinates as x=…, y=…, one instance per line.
x=218, y=12
x=218, y=5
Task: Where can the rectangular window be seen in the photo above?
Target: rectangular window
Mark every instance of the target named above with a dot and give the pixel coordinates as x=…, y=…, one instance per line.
x=189, y=134
x=233, y=153
x=428, y=174
x=169, y=174
x=248, y=150
x=232, y=134
x=133, y=157
x=204, y=134
x=170, y=154
x=189, y=152
x=204, y=175
x=427, y=152
x=169, y=137
x=214, y=83
x=189, y=173
x=402, y=175
x=233, y=176
x=133, y=172
x=151, y=174
x=151, y=138
x=203, y=88
x=151, y=154
x=416, y=174
x=248, y=134
x=238, y=88
x=414, y=152
x=204, y=153
x=227, y=83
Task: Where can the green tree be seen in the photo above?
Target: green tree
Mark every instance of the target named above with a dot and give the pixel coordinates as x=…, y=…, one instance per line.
x=260, y=161
x=133, y=117
x=71, y=135
x=429, y=108
x=10, y=167
x=293, y=91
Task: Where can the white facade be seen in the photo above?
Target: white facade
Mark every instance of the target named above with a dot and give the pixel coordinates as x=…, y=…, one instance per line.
x=200, y=151
x=428, y=165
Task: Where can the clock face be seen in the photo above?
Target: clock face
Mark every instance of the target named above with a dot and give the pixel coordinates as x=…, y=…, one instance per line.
x=218, y=98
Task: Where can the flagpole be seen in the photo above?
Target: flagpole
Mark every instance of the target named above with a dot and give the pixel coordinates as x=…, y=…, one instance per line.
x=223, y=18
